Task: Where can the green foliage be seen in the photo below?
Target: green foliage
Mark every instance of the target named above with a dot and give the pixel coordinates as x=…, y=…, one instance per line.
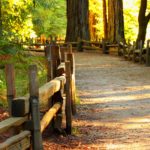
x=2, y=82
x=49, y=17
x=21, y=63
x=7, y=47
x=131, y=9
x=2, y=88
x=16, y=19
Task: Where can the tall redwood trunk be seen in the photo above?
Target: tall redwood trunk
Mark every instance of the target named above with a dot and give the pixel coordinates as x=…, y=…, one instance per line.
x=143, y=22
x=111, y=21
x=77, y=20
x=92, y=23
x=115, y=21
x=105, y=20
x=119, y=21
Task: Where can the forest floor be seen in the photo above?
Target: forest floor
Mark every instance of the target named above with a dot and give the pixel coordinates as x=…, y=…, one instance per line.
x=114, y=110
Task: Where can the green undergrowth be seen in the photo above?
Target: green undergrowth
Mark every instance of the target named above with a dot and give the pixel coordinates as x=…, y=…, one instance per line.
x=21, y=62
x=75, y=131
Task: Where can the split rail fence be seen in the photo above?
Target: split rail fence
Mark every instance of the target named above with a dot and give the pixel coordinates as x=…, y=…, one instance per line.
x=100, y=45
x=25, y=118
x=140, y=54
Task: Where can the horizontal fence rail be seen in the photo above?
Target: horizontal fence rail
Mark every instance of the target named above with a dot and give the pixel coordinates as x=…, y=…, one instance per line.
x=25, y=112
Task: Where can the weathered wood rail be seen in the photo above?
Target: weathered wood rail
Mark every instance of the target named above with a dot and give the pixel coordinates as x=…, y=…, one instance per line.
x=79, y=46
x=25, y=117
x=102, y=46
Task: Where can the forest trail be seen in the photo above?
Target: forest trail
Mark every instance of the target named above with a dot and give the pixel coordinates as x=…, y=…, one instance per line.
x=114, y=110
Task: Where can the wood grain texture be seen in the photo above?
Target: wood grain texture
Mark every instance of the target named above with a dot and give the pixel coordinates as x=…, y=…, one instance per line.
x=68, y=109
x=12, y=122
x=49, y=115
x=17, y=142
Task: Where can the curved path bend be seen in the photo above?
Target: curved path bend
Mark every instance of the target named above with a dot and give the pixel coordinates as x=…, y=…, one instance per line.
x=114, y=110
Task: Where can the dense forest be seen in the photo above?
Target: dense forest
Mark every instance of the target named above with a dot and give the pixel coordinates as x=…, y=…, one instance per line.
x=23, y=19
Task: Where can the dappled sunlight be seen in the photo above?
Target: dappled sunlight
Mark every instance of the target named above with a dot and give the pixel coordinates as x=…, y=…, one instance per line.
x=130, y=93
x=95, y=66
x=138, y=120
x=121, y=90
x=115, y=135
x=129, y=98
x=115, y=100
x=137, y=123
x=125, y=124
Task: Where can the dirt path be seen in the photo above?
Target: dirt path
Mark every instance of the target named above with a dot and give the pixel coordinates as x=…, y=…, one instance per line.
x=114, y=113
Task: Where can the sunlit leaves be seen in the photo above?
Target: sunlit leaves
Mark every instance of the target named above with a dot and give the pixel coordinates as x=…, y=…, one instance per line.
x=49, y=17
x=95, y=8
x=131, y=10
x=16, y=19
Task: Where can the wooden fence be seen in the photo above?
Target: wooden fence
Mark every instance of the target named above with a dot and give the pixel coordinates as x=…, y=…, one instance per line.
x=25, y=117
x=140, y=54
x=78, y=46
x=101, y=46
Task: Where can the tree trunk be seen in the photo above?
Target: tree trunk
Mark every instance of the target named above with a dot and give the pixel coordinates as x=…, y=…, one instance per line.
x=105, y=20
x=143, y=22
x=77, y=20
x=119, y=21
x=92, y=22
x=141, y=34
x=115, y=21
x=111, y=21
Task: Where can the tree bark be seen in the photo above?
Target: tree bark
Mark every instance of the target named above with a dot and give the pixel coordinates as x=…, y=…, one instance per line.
x=77, y=20
x=115, y=21
x=105, y=24
x=111, y=21
x=143, y=22
x=92, y=22
x=119, y=21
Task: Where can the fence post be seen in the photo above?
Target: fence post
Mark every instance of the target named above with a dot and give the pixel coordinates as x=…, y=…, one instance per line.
x=140, y=47
x=68, y=110
x=134, y=48
x=55, y=57
x=148, y=54
x=52, y=54
x=104, y=48
x=34, y=105
x=70, y=57
x=80, y=44
x=10, y=83
x=69, y=48
x=49, y=63
x=62, y=52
